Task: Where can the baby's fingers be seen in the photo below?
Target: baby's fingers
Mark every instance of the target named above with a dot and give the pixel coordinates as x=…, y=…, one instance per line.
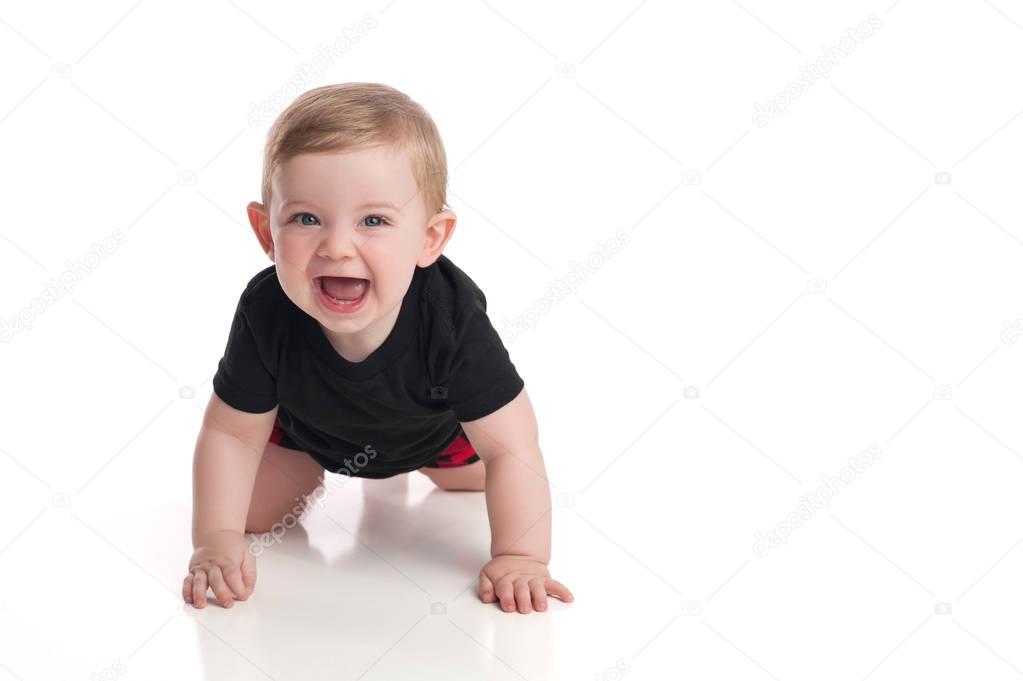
x=522, y=596
x=536, y=588
x=198, y=588
x=248, y=571
x=506, y=593
x=233, y=577
x=186, y=588
x=556, y=588
x=220, y=589
x=486, y=589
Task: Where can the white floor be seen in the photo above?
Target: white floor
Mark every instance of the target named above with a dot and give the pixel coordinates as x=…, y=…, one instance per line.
x=379, y=582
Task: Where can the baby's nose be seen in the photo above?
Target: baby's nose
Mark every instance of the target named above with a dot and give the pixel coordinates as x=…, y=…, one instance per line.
x=340, y=241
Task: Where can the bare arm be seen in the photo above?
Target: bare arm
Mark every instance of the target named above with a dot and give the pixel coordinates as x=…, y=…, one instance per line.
x=518, y=505
x=227, y=455
x=517, y=491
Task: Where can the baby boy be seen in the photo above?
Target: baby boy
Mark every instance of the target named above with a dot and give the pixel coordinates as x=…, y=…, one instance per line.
x=363, y=351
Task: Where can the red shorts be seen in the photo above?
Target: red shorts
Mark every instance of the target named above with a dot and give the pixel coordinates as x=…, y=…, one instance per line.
x=458, y=453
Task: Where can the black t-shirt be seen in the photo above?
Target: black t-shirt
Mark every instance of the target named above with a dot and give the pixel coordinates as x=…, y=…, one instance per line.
x=391, y=413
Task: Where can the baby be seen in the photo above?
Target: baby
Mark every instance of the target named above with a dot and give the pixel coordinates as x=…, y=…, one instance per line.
x=363, y=351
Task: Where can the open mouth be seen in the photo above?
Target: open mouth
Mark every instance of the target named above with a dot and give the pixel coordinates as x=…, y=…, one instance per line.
x=343, y=294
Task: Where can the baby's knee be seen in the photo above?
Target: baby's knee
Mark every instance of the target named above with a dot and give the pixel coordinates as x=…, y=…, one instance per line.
x=262, y=519
x=468, y=478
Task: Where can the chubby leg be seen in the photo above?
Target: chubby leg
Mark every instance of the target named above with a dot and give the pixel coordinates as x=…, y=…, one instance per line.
x=285, y=479
x=470, y=477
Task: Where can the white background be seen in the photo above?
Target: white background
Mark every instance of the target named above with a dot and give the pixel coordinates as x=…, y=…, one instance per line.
x=845, y=277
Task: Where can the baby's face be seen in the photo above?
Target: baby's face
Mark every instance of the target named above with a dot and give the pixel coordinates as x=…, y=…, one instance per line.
x=353, y=214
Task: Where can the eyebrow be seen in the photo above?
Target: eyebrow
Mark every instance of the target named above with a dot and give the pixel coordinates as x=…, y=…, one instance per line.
x=370, y=204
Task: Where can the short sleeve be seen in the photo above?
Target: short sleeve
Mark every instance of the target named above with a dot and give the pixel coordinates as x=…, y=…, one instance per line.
x=483, y=378
x=242, y=379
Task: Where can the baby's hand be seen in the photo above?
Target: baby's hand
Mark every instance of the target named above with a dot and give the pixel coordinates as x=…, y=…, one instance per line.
x=521, y=580
x=224, y=562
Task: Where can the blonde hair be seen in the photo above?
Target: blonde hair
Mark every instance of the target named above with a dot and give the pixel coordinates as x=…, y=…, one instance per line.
x=346, y=116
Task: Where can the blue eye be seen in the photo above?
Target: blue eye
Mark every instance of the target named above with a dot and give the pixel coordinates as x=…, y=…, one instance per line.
x=383, y=220
x=304, y=219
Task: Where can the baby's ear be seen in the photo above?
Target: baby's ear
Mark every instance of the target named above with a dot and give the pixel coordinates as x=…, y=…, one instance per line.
x=439, y=230
x=259, y=219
